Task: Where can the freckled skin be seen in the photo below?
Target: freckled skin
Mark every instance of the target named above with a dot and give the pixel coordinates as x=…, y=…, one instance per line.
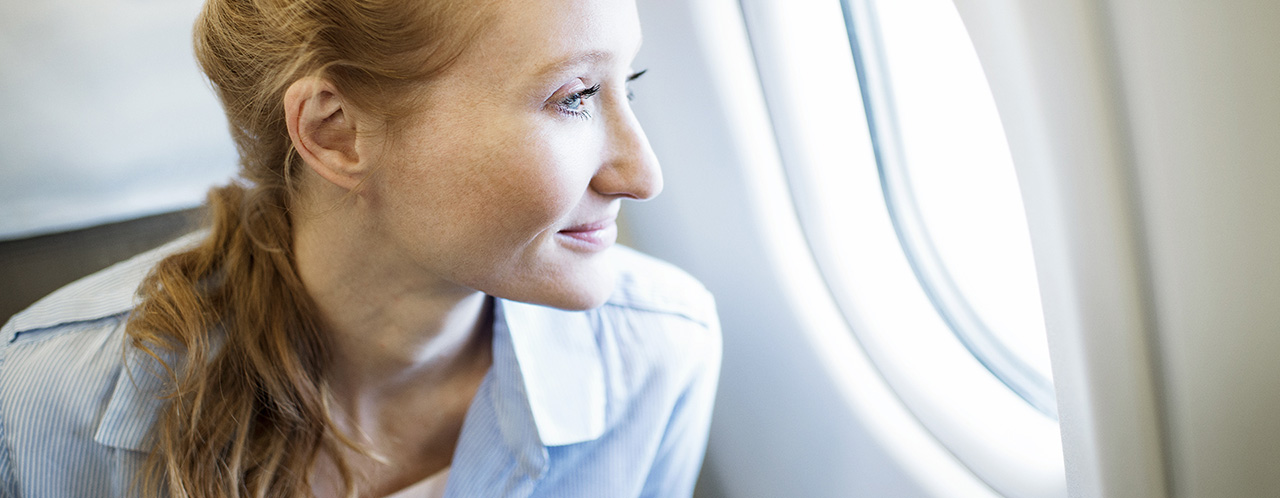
x=490, y=169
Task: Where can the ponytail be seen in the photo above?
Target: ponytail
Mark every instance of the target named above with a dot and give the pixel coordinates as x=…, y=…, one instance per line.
x=249, y=407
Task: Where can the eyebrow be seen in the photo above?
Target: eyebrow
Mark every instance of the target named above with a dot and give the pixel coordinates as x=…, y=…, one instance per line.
x=591, y=57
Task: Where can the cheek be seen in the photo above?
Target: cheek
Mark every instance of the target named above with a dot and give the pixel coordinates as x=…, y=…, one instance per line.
x=537, y=177
x=489, y=188
x=516, y=201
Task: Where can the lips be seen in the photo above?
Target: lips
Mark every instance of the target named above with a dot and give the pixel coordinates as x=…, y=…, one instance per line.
x=592, y=236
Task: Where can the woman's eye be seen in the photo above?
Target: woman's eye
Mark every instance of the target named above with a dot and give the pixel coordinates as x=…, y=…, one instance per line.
x=630, y=94
x=575, y=104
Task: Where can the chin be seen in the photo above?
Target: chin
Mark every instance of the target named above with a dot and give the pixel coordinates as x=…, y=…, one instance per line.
x=577, y=289
x=581, y=303
x=584, y=294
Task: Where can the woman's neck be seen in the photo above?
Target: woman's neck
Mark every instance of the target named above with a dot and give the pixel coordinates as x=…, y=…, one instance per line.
x=395, y=331
x=408, y=352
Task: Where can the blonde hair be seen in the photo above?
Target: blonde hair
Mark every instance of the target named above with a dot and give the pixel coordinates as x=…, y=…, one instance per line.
x=248, y=409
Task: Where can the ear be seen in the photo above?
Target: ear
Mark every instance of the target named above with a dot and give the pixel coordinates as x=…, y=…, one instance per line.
x=324, y=131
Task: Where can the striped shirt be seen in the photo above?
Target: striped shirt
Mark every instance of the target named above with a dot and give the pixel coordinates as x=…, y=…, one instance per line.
x=611, y=402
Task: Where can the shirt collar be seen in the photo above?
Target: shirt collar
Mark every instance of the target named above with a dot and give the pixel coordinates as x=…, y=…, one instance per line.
x=135, y=403
x=549, y=385
x=553, y=366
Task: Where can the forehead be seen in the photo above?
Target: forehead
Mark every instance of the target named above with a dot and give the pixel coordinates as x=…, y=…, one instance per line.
x=532, y=37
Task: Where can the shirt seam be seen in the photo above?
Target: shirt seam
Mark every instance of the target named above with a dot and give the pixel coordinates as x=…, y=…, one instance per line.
x=52, y=332
x=706, y=324
x=6, y=457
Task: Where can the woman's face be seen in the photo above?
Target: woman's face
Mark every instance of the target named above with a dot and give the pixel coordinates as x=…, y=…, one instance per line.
x=509, y=175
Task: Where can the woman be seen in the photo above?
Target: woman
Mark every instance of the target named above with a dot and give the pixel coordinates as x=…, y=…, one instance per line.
x=386, y=307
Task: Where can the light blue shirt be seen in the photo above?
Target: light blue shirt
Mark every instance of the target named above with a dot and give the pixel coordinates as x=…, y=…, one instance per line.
x=612, y=402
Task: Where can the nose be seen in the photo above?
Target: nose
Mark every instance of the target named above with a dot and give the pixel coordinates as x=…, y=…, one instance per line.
x=630, y=168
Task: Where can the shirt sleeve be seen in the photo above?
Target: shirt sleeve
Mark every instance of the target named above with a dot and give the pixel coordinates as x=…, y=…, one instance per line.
x=680, y=452
x=8, y=486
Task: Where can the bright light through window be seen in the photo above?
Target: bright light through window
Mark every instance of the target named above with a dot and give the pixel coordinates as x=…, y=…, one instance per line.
x=958, y=186
x=900, y=175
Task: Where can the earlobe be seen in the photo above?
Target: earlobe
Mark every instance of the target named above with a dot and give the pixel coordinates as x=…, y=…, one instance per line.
x=324, y=131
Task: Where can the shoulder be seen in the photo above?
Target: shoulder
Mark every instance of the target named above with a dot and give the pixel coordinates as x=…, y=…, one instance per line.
x=660, y=321
x=63, y=399
x=649, y=285
x=104, y=294
x=84, y=319
x=60, y=375
x=60, y=363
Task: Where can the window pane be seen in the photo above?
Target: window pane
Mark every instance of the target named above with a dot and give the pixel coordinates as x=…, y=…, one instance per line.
x=957, y=176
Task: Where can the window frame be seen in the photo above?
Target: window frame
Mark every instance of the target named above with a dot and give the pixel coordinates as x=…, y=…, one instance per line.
x=997, y=435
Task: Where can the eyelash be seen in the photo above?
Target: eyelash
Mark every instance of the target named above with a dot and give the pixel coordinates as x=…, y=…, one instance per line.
x=571, y=105
x=631, y=95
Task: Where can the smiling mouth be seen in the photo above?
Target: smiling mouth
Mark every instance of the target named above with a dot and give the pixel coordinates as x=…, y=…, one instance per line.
x=590, y=237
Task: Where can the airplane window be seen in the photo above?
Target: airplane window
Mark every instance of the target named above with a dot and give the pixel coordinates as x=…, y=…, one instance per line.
x=905, y=192
x=949, y=182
